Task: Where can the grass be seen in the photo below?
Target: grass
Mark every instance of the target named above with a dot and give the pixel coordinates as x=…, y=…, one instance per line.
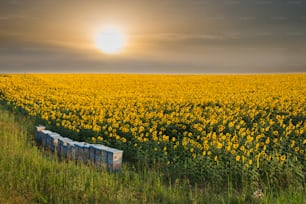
x=30, y=175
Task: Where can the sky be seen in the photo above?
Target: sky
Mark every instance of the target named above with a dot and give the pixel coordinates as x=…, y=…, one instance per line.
x=162, y=36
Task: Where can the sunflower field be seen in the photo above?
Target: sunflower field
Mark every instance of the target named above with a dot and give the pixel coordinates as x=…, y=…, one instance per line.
x=204, y=127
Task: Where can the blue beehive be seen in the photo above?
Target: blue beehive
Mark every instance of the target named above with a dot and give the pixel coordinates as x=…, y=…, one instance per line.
x=114, y=158
x=70, y=150
x=92, y=153
x=100, y=156
x=85, y=152
x=48, y=141
x=62, y=146
x=54, y=137
x=79, y=150
x=44, y=137
x=38, y=134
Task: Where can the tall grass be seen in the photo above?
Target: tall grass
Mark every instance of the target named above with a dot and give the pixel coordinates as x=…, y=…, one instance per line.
x=31, y=175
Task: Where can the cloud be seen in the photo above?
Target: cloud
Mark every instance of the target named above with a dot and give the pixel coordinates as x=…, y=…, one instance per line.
x=47, y=59
x=166, y=36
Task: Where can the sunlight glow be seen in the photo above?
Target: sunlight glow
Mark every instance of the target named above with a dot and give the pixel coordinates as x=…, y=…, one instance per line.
x=110, y=40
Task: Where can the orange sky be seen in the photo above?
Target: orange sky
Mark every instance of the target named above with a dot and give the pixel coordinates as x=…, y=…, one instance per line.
x=176, y=36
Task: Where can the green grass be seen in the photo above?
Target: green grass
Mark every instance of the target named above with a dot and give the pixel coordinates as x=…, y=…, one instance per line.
x=30, y=175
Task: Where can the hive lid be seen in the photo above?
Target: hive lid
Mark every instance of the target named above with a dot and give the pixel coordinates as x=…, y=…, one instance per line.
x=57, y=136
x=65, y=139
x=87, y=145
x=98, y=146
x=72, y=143
x=79, y=144
x=113, y=150
x=54, y=133
x=46, y=131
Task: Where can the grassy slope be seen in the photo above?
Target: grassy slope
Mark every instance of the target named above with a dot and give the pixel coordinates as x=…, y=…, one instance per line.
x=29, y=175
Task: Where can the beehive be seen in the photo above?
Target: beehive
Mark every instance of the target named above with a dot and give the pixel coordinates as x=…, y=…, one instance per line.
x=54, y=137
x=70, y=150
x=92, y=153
x=100, y=156
x=78, y=150
x=38, y=134
x=114, y=158
x=63, y=145
x=86, y=147
x=44, y=137
x=48, y=141
x=108, y=157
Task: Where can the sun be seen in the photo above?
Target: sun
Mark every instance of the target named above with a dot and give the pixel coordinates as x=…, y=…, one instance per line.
x=110, y=40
